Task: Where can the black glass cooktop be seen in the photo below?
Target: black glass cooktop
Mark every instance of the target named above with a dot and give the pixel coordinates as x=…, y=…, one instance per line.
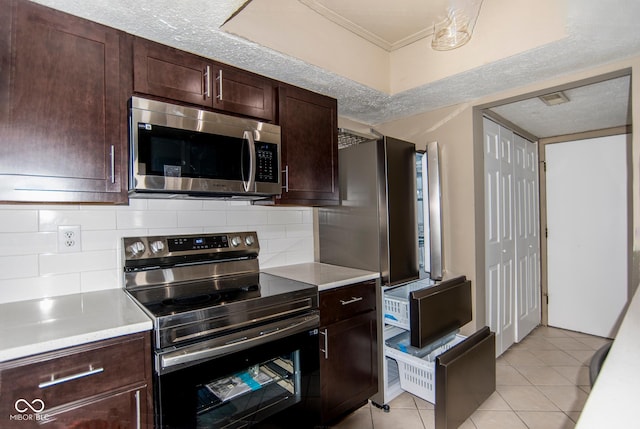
x=181, y=297
x=174, y=298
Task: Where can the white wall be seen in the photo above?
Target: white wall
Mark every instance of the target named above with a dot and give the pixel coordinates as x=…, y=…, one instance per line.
x=31, y=267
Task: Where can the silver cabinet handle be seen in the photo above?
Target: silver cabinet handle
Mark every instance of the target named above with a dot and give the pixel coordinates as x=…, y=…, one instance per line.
x=351, y=301
x=219, y=79
x=286, y=178
x=56, y=381
x=326, y=343
x=113, y=164
x=207, y=82
x=138, y=411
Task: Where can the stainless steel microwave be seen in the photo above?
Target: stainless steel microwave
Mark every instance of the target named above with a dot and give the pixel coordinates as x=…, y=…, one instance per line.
x=182, y=151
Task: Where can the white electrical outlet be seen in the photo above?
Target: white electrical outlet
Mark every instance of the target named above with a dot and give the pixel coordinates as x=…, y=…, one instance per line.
x=69, y=239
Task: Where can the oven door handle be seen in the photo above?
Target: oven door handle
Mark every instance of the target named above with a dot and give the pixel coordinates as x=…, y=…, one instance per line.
x=233, y=343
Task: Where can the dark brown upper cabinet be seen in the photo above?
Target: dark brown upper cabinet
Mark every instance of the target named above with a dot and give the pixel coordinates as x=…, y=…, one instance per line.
x=244, y=93
x=63, y=115
x=173, y=74
x=170, y=73
x=309, y=126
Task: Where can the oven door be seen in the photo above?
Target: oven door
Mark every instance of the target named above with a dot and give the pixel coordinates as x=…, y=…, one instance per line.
x=271, y=384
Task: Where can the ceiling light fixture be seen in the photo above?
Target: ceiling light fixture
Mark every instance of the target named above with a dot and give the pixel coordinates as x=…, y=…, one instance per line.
x=456, y=28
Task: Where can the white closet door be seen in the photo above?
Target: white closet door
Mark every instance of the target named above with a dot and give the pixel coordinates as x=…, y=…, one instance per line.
x=499, y=226
x=527, y=216
x=493, y=247
x=587, y=233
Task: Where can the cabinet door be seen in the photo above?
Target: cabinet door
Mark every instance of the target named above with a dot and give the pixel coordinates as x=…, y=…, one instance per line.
x=348, y=364
x=309, y=147
x=244, y=93
x=171, y=73
x=62, y=118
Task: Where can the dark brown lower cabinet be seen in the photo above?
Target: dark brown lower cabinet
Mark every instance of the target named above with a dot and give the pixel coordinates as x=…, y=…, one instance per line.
x=104, y=384
x=348, y=359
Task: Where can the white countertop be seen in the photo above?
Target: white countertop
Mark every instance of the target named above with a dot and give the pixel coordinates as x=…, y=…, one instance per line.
x=325, y=276
x=613, y=401
x=41, y=325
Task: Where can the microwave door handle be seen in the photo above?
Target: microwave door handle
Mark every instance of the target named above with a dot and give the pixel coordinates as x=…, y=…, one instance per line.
x=250, y=184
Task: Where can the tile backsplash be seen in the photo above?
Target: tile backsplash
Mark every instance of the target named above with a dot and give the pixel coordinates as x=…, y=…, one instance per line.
x=32, y=267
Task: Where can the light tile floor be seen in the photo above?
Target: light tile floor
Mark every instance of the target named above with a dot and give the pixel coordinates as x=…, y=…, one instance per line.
x=541, y=383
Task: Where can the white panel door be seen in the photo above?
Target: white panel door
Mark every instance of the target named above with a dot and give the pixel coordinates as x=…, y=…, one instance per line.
x=587, y=240
x=500, y=264
x=507, y=232
x=493, y=246
x=527, y=216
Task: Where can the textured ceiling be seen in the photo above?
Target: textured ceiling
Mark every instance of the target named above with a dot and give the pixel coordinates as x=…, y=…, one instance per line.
x=591, y=107
x=598, y=32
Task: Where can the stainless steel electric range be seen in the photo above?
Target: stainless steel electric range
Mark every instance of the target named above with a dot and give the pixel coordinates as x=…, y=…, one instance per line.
x=233, y=347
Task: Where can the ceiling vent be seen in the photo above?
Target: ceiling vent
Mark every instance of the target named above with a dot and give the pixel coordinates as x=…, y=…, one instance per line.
x=554, y=98
x=348, y=138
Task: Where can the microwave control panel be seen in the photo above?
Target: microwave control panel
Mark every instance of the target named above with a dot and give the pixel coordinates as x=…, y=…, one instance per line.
x=267, y=162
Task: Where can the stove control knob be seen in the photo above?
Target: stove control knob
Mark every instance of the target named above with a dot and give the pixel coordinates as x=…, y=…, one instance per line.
x=249, y=240
x=157, y=247
x=236, y=241
x=135, y=249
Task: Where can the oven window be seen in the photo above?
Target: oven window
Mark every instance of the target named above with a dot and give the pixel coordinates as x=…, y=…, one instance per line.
x=274, y=383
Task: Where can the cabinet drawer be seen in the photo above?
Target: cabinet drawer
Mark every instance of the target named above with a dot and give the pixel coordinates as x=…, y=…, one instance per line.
x=76, y=373
x=346, y=301
x=119, y=410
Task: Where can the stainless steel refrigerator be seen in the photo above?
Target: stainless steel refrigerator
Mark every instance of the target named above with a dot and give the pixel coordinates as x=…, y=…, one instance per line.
x=375, y=226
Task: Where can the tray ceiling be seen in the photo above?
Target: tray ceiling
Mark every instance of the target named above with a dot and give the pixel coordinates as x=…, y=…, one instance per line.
x=597, y=33
x=389, y=25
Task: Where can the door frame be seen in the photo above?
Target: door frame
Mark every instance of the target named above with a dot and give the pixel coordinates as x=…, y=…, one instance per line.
x=478, y=113
x=543, y=204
